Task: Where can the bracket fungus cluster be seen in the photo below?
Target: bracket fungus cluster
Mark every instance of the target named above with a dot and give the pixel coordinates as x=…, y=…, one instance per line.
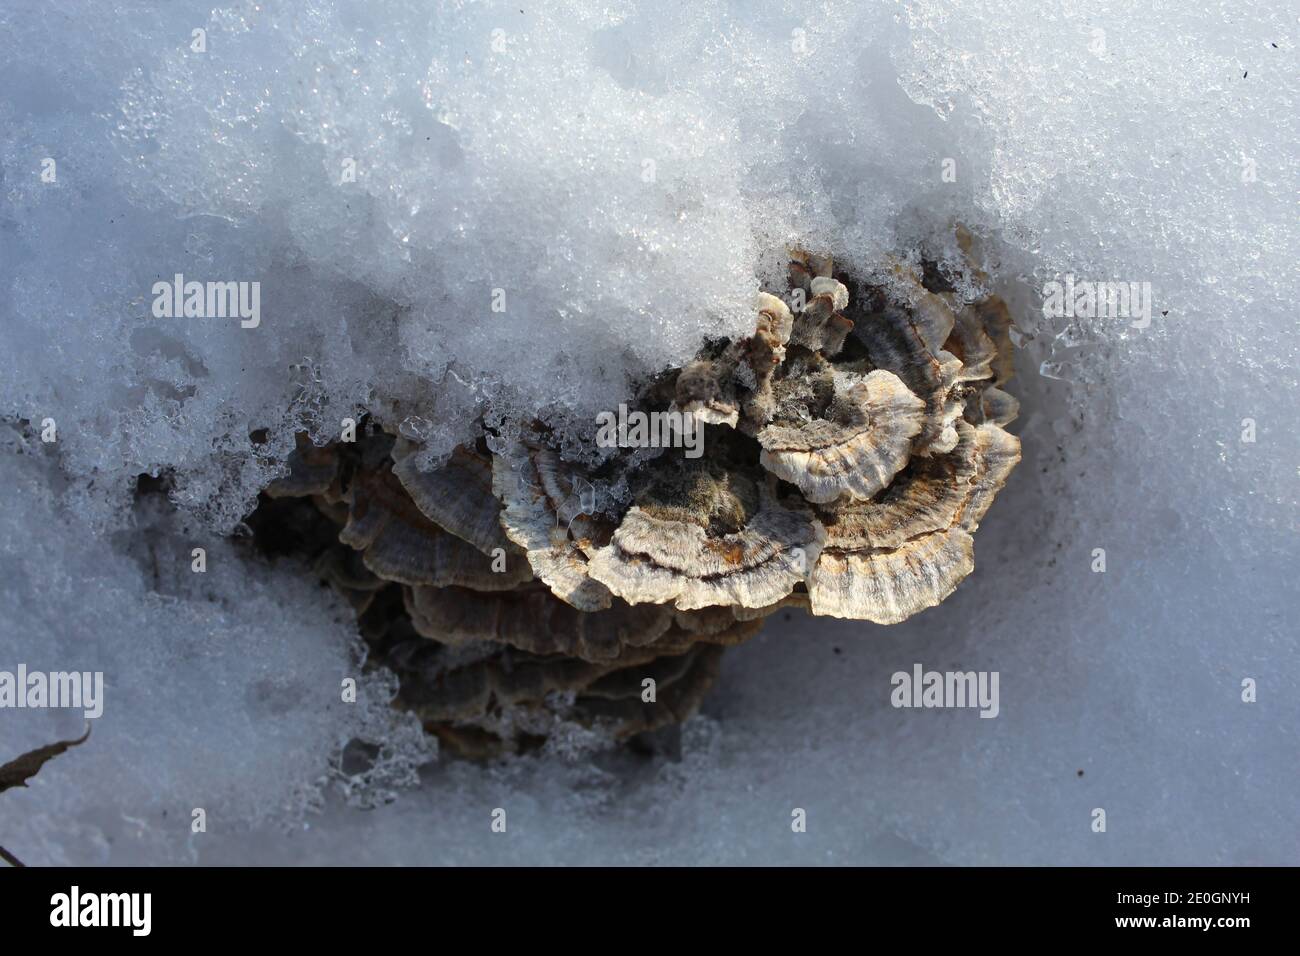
x=852, y=446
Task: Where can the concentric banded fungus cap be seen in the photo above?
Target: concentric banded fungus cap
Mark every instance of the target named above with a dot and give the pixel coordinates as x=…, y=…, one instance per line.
x=681, y=683
x=507, y=678
x=534, y=620
x=998, y=452
x=458, y=496
x=705, y=621
x=886, y=559
x=474, y=686
x=678, y=640
x=796, y=599
x=400, y=544
x=852, y=444
x=930, y=313
x=887, y=587
x=701, y=535
x=909, y=341
x=972, y=345
x=344, y=569
x=927, y=496
x=547, y=511
x=994, y=314
x=480, y=697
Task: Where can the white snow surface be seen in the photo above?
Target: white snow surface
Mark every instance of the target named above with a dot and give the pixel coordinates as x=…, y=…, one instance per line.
x=623, y=177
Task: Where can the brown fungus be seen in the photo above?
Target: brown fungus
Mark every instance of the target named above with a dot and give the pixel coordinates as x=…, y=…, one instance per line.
x=681, y=685
x=998, y=453
x=484, y=705
x=852, y=446
x=702, y=536
x=928, y=496
x=399, y=543
x=861, y=440
x=534, y=620
x=972, y=345
x=996, y=317
x=889, y=586
x=458, y=496
x=547, y=507
x=908, y=339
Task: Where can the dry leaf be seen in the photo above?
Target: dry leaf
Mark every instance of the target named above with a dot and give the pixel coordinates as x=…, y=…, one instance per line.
x=17, y=772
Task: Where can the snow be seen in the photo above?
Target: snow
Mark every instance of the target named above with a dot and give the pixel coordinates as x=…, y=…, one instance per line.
x=1161, y=149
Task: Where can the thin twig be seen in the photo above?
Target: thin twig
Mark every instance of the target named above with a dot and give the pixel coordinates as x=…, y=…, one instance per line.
x=10, y=858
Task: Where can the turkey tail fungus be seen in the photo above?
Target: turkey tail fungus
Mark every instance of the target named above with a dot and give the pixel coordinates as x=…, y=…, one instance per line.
x=852, y=445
